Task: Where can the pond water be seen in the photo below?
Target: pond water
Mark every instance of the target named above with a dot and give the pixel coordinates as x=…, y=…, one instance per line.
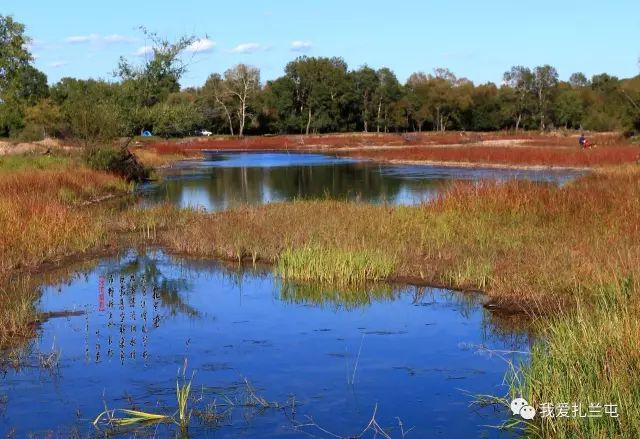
x=267, y=358
x=332, y=356
x=227, y=179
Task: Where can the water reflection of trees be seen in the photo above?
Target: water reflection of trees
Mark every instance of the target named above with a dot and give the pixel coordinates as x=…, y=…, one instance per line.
x=145, y=267
x=223, y=187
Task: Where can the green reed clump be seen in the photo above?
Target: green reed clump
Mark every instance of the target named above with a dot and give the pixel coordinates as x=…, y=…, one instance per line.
x=474, y=271
x=588, y=356
x=334, y=266
x=183, y=389
x=118, y=418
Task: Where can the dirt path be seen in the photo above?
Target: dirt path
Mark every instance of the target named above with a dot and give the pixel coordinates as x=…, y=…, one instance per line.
x=40, y=147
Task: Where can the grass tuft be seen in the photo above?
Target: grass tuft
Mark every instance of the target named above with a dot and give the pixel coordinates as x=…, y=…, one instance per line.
x=589, y=355
x=333, y=266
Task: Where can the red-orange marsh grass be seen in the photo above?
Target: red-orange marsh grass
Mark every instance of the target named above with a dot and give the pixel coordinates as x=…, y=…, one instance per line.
x=364, y=140
x=511, y=155
x=42, y=217
x=523, y=243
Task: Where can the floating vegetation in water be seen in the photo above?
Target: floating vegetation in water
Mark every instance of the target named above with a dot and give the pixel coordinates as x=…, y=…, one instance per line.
x=131, y=417
x=214, y=413
x=50, y=360
x=115, y=418
x=243, y=398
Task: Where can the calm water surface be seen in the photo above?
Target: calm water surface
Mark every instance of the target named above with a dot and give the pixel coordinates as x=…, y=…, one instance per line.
x=225, y=180
x=416, y=353
x=319, y=353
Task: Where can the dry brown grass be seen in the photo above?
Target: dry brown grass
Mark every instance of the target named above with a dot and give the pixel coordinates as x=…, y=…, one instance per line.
x=149, y=157
x=43, y=218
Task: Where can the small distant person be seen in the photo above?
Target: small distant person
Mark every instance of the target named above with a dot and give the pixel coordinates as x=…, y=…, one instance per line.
x=584, y=143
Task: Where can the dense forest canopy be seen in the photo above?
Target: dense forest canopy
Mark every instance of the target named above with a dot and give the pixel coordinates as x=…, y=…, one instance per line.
x=314, y=95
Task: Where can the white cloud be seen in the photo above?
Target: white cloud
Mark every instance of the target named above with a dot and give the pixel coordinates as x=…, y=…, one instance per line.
x=144, y=51
x=57, y=64
x=201, y=45
x=301, y=46
x=117, y=38
x=100, y=39
x=77, y=39
x=246, y=48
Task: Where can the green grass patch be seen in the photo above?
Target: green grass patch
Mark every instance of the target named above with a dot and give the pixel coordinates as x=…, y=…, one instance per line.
x=333, y=266
x=12, y=163
x=589, y=356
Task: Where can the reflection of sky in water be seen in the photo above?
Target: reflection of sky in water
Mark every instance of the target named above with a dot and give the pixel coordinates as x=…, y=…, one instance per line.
x=258, y=178
x=419, y=350
x=270, y=160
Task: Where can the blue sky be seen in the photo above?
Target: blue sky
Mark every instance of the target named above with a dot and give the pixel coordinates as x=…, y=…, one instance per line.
x=475, y=39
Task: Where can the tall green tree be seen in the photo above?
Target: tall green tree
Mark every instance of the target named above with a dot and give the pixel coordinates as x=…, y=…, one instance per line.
x=545, y=81
x=282, y=109
x=568, y=106
x=440, y=98
x=484, y=114
x=578, y=79
x=319, y=90
x=90, y=109
x=217, y=102
x=388, y=92
x=21, y=84
x=517, y=96
x=14, y=55
x=365, y=84
x=155, y=79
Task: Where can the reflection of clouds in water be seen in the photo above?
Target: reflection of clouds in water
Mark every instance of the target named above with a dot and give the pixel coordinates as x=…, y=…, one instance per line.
x=194, y=197
x=416, y=195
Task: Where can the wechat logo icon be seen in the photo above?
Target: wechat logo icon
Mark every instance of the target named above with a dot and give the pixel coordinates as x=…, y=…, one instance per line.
x=520, y=406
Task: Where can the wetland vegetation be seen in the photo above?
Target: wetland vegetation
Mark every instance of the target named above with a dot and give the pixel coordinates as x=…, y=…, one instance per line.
x=386, y=277
x=565, y=256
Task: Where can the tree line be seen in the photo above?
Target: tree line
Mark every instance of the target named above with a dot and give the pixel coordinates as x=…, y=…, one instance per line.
x=314, y=95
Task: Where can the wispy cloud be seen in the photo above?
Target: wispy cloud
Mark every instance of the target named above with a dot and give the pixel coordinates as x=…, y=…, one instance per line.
x=117, y=38
x=246, y=48
x=144, y=51
x=301, y=46
x=100, y=39
x=57, y=64
x=78, y=39
x=201, y=45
